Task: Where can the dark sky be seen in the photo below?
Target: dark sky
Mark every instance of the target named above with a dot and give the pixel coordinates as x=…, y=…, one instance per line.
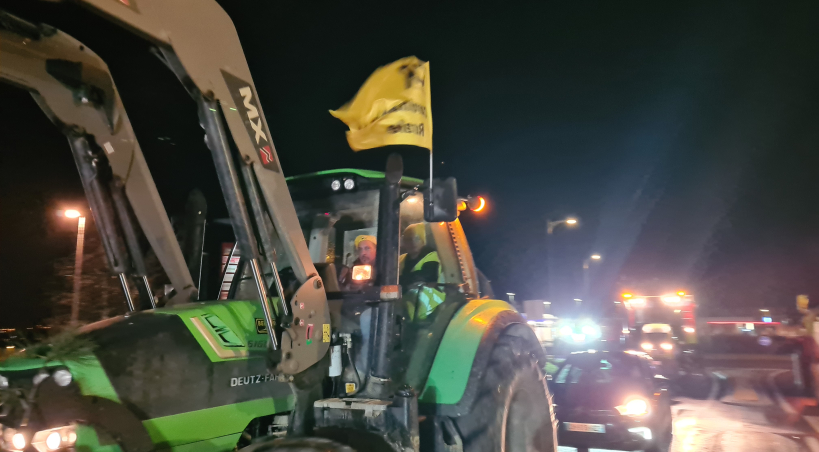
x=683, y=136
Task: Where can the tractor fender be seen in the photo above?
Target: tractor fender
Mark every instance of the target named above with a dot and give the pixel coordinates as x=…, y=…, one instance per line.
x=463, y=355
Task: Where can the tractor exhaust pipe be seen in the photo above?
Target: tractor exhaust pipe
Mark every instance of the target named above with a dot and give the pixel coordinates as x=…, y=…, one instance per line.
x=386, y=264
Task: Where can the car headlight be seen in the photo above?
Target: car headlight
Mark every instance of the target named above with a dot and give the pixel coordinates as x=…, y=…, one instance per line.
x=666, y=346
x=566, y=331
x=635, y=406
x=647, y=346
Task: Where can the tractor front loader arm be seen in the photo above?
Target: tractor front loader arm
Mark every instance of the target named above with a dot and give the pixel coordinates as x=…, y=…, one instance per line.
x=73, y=86
x=199, y=43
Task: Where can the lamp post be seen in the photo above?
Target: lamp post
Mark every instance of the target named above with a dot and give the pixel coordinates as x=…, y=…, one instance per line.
x=551, y=225
x=569, y=222
x=586, y=264
x=75, y=299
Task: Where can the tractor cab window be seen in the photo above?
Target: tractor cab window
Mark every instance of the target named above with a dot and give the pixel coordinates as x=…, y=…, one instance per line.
x=342, y=229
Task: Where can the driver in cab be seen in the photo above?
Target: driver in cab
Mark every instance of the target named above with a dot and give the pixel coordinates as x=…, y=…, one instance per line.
x=365, y=246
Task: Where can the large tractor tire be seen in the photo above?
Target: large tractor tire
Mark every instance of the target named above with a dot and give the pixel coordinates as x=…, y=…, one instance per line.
x=512, y=411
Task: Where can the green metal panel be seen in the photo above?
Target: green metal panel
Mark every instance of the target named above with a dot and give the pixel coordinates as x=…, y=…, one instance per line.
x=226, y=330
x=92, y=379
x=221, y=444
x=223, y=421
x=453, y=361
x=88, y=441
x=87, y=372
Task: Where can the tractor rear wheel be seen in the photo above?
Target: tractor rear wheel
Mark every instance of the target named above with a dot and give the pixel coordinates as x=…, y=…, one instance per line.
x=512, y=412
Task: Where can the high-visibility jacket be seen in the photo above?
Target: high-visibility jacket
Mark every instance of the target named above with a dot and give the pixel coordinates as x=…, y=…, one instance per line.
x=432, y=256
x=428, y=298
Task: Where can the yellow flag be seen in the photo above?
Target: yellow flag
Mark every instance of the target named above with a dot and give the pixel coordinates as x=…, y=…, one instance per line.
x=392, y=107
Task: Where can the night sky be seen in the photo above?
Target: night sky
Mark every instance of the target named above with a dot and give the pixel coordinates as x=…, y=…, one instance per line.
x=683, y=136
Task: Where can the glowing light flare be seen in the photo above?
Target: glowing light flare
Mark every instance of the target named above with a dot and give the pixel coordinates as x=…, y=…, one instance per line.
x=689, y=329
x=362, y=272
x=681, y=293
x=637, y=303
x=635, y=406
x=647, y=346
x=671, y=299
x=667, y=346
x=481, y=204
x=596, y=257
x=71, y=213
x=53, y=441
x=571, y=221
x=18, y=441
x=627, y=295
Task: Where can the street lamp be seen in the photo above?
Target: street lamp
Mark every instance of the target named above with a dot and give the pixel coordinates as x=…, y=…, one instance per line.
x=551, y=225
x=75, y=299
x=586, y=263
x=550, y=229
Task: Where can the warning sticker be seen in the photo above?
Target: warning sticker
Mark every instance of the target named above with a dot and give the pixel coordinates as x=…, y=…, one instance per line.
x=349, y=387
x=261, y=328
x=325, y=329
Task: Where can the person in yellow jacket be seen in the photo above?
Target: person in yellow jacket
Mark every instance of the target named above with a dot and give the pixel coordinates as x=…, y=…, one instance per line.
x=420, y=264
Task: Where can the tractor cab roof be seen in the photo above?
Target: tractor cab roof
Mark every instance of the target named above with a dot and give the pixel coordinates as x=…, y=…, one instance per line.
x=342, y=180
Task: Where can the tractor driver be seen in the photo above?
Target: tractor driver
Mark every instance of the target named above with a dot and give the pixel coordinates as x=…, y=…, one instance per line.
x=365, y=246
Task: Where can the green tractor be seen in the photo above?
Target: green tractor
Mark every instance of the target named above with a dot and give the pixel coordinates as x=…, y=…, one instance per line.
x=312, y=349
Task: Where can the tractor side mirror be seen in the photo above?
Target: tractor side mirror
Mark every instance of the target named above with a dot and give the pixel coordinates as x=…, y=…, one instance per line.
x=441, y=203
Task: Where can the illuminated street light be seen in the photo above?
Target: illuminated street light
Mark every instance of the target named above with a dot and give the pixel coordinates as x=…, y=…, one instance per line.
x=551, y=225
x=569, y=222
x=75, y=299
x=596, y=258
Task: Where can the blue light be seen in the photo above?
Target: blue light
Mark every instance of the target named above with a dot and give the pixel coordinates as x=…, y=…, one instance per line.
x=766, y=319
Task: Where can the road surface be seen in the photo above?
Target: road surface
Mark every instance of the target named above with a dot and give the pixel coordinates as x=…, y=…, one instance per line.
x=744, y=408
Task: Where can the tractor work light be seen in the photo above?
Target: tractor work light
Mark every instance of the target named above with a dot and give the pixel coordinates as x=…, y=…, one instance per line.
x=335, y=185
x=349, y=184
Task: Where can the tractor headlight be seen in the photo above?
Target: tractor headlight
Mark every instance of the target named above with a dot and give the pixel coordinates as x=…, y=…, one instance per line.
x=349, y=184
x=18, y=441
x=667, y=346
x=647, y=346
x=53, y=441
x=335, y=185
x=43, y=441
